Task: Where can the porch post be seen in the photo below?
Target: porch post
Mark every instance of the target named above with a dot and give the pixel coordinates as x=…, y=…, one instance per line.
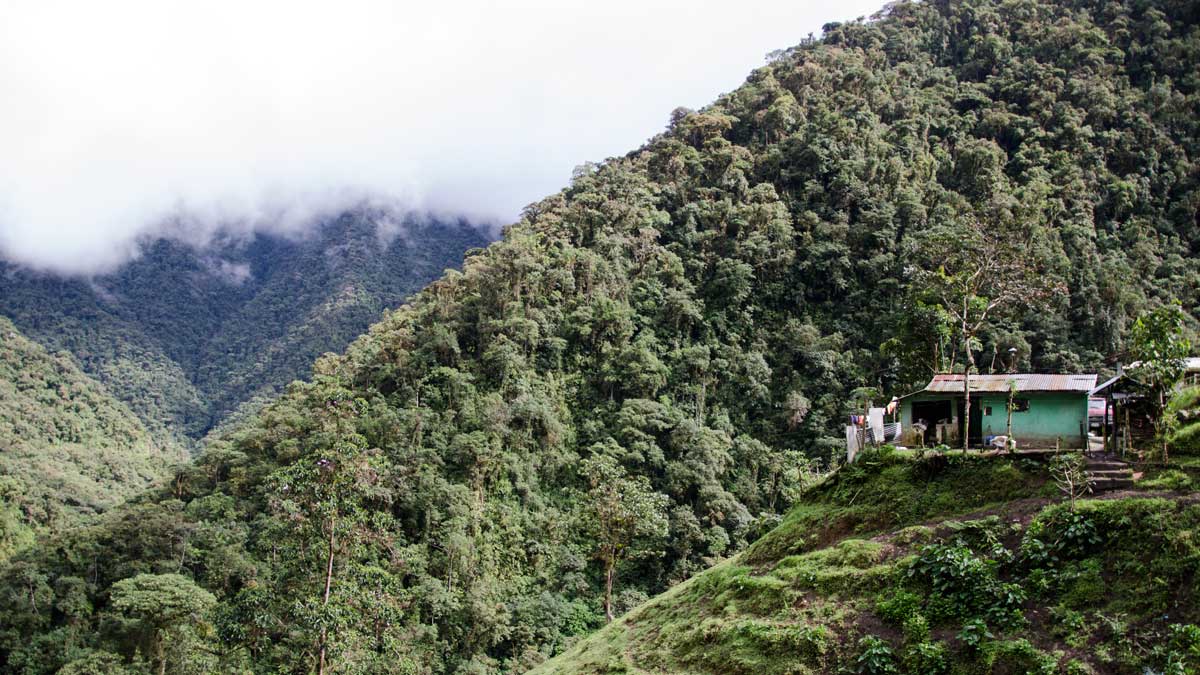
x=1107, y=401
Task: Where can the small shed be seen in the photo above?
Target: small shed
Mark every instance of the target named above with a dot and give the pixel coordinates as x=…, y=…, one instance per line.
x=1048, y=410
x=1126, y=417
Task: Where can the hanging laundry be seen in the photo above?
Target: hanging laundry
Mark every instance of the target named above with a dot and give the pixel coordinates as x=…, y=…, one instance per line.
x=875, y=423
x=851, y=443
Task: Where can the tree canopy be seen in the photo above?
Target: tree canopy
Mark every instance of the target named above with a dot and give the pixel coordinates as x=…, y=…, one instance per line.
x=697, y=313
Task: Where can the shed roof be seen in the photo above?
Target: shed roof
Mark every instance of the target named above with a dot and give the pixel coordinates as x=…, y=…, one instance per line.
x=1191, y=366
x=1026, y=382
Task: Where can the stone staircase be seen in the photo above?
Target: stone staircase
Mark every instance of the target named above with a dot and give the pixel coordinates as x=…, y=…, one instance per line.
x=1108, y=473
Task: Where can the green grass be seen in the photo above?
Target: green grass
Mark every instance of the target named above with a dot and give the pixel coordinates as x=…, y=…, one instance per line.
x=888, y=492
x=1108, y=588
x=1185, y=438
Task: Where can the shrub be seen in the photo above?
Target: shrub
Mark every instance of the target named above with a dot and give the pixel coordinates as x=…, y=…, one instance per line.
x=974, y=633
x=916, y=629
x=899, y=607
x=1017, y=656
x=914, y=534
x=1077, y=667
x=1069, y=625
x=875, y=657
x=968, y=584
x=1181, y=651
x=1061, y=534
x=927, y=658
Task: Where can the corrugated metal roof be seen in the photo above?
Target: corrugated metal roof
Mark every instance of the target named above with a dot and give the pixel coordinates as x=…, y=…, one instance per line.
x=953, y=384
x=1191, y=365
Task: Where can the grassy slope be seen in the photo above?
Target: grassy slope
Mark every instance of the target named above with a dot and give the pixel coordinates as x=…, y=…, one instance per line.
x=1185, y=406
x=844, y=565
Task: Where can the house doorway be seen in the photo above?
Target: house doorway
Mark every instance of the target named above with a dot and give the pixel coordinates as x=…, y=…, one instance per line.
x=930, y=413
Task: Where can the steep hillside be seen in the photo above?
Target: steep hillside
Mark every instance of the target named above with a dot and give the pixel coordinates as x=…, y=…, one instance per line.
x=870, y=575
x=185, y=335
x=647, y=370
x=67, y=448
x=1185, y=408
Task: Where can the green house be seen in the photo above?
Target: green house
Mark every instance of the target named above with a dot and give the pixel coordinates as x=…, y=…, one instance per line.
x=1048, y=410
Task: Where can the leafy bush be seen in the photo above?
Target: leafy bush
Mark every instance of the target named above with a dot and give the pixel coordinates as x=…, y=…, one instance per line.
x=1061, y=534
x=916, y=629
x=899, y=606
x=1069, y=625
x=968, y=584
x=1016, y=656
x=875, y=657
x=1180, y=653
x=927, y=658
x=974, y=633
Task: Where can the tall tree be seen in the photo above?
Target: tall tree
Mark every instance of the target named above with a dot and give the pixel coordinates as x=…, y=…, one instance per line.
x=1160, y=347
x=160, y=605
x=979, y=271
x=321, y=492
x=625, y=516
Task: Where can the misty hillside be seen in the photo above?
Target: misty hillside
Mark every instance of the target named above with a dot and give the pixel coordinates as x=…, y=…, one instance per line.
x=67, y=448
x=646, y=373
x=184, y=336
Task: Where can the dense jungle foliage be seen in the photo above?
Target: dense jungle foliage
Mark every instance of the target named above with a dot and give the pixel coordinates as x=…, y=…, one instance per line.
x=67, y=448
x=688, y=321
x=914, y=577
x=185, y=334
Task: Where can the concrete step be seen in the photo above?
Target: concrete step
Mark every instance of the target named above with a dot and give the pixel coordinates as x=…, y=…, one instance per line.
x=1111, y=473
x=1106, y=466
x=1105, y=484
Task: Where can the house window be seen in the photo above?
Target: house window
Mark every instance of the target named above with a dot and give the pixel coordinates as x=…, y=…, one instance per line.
x=1020, y=405
x=987, y=411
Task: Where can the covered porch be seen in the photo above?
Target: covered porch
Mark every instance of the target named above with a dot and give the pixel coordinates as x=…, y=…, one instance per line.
x=1048, y=411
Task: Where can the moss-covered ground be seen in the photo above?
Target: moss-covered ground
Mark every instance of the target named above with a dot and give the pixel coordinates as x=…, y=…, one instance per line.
x=942, y=564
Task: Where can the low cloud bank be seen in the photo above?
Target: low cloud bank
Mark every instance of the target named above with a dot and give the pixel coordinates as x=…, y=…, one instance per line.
x=132, y=118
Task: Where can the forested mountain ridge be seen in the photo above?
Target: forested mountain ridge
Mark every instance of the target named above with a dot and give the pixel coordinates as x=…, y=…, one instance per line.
x=185, y=334
x=685, y=323
x=67, y=448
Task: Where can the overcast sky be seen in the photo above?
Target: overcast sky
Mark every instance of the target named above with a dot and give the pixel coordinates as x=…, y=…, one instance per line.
x=118, y=116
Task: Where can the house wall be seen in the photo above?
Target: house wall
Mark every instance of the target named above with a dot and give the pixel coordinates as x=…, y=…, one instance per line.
x=1051, y=417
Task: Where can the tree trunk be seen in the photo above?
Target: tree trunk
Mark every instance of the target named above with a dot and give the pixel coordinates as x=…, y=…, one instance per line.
x=325, y=599
x=967, y=401
x=162, y=657
x=1162, y=423
x=609, y=568
x=1009, y=444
